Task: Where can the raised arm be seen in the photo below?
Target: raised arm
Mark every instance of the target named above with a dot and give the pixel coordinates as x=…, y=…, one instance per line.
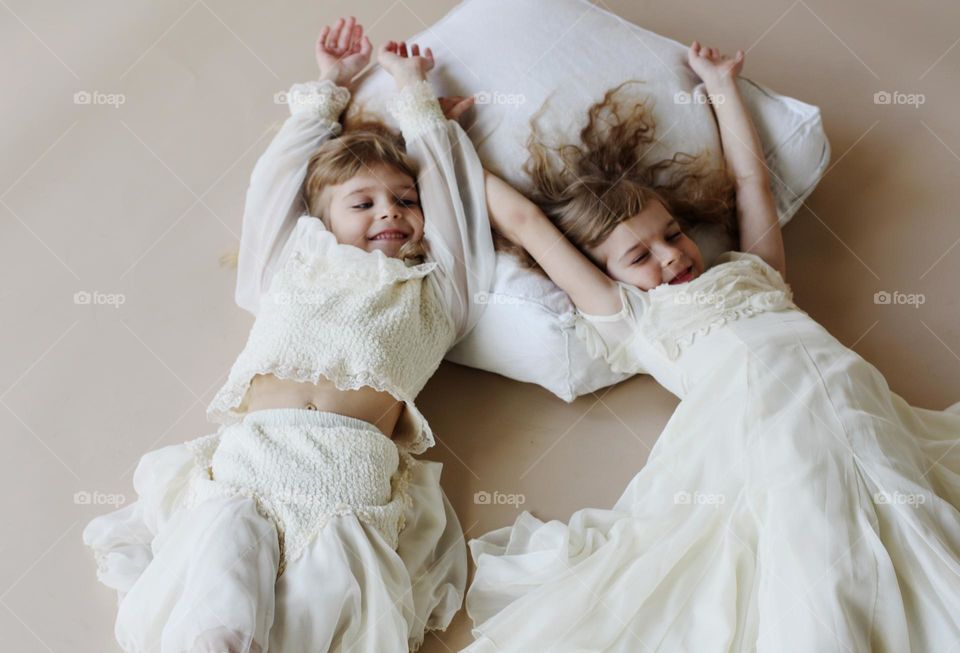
x=274, y=200
x=523, y=223
x=450, y=183
x=756, y=209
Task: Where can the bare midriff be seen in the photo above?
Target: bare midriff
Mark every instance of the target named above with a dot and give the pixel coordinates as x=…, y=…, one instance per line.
x=379, y=408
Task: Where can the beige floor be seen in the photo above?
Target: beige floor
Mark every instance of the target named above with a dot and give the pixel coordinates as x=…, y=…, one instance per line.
x=140, y=201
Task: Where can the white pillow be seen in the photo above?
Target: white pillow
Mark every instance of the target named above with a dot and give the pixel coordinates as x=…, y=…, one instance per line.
x=513, y=54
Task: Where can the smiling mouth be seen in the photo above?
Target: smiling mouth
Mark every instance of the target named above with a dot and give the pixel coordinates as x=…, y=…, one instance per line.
x=390, y=235
x=686, y=275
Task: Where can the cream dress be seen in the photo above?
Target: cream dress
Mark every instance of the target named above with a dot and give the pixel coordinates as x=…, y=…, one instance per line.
x=793, y=502
x=211, y=575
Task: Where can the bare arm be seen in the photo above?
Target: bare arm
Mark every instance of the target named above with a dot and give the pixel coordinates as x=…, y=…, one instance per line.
x=756, y=209
x=523, y=223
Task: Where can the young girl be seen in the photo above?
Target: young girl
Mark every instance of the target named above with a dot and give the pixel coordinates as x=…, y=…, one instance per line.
x=304, y=524
x=792, y=503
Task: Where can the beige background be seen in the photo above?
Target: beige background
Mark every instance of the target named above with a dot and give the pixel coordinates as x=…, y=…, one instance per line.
x=140, y=200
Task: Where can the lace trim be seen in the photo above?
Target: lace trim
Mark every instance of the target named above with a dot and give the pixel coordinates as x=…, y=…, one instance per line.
x=416, y=109
x=672, y=317
x=227, y=406
x=322, y=99
x=318, y=253
x=740, y=285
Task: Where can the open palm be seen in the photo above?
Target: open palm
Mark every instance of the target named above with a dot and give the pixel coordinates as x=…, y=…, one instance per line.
x=343, y=50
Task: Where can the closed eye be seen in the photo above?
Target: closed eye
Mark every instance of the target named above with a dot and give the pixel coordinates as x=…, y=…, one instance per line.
x=362, y=205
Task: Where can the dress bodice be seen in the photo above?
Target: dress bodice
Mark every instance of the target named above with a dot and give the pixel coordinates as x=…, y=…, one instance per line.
x=669, y=331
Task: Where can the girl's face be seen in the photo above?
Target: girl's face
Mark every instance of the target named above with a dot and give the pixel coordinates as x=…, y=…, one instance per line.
x=649, y=249
x=376, y=209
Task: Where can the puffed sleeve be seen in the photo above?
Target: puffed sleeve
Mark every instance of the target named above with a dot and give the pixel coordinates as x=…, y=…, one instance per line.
x=274, y=200
x=612, y=337
x=450, y=182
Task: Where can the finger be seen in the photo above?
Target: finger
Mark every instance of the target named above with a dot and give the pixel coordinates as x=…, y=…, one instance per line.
x=695, y=47
x=403, y=49
x=415, y=50
x=366, y=47
x=334, y=34
x=429, y=54
x=355, y=37
x=322, y=39
x=345, y=34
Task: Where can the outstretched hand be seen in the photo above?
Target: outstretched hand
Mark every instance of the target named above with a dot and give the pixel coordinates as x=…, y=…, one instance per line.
x=406, y=66
x=711, y=66
x=342, y=51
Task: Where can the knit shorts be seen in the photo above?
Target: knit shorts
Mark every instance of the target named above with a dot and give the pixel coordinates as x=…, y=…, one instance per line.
x=303, y=467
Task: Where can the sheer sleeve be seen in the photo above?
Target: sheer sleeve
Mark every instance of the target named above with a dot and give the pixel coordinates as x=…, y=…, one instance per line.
x=274, y=199
x=451, y=186
x=609, y=337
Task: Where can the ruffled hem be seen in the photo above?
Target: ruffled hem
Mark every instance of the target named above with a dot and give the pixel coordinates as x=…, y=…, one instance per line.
x=227, y=544
x=228, y=407
x=318, y=253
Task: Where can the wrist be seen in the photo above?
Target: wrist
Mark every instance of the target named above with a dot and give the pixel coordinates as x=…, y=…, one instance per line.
x=408, y=78
x=720, y=85
x=335, y=75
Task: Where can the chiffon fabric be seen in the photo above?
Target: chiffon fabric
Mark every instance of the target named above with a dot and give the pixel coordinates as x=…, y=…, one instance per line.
x=196, y=562
x=793, y=502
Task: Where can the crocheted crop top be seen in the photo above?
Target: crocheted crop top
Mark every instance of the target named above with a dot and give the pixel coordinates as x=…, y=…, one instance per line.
x=357, y=318
x=336, y=311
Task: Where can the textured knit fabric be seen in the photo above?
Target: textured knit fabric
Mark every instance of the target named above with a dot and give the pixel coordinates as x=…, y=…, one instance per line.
x=354, y=317
x=304, y=467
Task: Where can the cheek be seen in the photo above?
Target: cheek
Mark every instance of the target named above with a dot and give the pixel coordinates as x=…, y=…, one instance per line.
x=349, y=228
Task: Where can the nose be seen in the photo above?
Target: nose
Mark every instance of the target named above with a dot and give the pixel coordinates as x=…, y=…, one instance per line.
x=670, y=255
x=392, y=211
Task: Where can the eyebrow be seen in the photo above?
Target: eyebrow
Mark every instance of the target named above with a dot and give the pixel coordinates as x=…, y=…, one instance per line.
x=626, y=255
x=367, y=189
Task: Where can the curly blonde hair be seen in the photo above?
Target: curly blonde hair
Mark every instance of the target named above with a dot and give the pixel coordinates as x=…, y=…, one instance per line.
x=590, y=187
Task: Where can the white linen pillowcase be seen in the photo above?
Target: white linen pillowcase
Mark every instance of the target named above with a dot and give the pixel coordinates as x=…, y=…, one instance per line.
x=514, y=54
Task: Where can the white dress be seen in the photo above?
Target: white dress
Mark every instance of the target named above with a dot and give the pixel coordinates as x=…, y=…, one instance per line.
x=203, y=575
x=793, y=502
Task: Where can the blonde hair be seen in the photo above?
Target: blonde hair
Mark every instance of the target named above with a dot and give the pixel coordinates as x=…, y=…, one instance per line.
x=590, y=187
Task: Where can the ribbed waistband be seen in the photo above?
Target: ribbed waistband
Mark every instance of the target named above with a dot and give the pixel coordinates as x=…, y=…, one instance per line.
x=306, y=417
